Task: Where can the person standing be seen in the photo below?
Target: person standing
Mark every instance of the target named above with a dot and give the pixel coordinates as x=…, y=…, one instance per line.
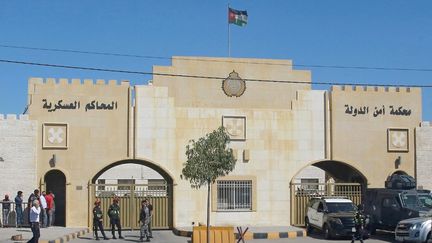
x=32, y=197
x=19, y=208
x=49, y=202
x=34, y=222
x=359, y=220
x=97, y=220
x=43, y=206
x=150, y=207
x=52, y=211
x=6, y=209
x=114, y=215
x=144, y=219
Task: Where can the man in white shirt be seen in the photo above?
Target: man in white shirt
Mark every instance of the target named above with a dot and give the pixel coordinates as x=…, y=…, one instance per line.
x=34, y=222
x=44, y=206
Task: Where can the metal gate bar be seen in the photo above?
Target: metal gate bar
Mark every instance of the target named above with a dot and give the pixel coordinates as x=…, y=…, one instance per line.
x=130, y=197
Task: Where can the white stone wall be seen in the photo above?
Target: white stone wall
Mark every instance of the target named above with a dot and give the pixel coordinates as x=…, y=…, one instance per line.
x=18, y=151
x=280, y=143
x=424, y=155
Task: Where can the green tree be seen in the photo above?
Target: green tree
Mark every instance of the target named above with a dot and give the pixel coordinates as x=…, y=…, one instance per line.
x=207, y=159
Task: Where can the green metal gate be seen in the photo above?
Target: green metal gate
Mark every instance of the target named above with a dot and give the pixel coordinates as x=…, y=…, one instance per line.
x=301, y=193
x=130, y=197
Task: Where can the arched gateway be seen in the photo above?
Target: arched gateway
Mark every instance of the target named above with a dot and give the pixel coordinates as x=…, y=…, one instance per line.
x=341, y=179
x=131, y=193
x=55, y=181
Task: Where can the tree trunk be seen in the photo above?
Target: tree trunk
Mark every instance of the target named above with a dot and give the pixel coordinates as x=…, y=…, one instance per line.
x=208, y=212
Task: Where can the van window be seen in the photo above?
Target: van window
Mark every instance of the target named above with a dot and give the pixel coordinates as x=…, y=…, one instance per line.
x=315, y=205
x=389, y=202
x=320, y=206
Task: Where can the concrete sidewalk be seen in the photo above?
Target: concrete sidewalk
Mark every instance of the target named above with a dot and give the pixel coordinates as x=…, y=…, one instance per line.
x=62, y=235
x=48, y=235
x=256, y=232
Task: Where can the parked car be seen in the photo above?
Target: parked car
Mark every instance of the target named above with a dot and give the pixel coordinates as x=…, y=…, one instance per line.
x=414, y=230
x=398, y=201
x=425, y=198
x=332, y=215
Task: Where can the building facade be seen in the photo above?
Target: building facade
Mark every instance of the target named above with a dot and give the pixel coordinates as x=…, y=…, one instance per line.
x=18, y=155
x=424, y=155
x=280, y=131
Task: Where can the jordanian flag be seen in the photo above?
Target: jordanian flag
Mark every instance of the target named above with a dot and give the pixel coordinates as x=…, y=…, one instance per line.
x=237, y=17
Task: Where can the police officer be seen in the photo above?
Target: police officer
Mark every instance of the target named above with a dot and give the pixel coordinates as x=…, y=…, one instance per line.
x=359, y=220
x=144, y=219
x=114, y=215
x=97, y=220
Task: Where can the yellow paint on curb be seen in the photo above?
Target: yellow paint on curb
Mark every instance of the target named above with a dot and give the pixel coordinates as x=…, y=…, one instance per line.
x=248, y=236
x=273, y=235
x=292, y=234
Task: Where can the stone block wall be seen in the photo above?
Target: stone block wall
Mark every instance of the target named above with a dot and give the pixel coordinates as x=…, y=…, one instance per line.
x=424, y=155
x=18, y=155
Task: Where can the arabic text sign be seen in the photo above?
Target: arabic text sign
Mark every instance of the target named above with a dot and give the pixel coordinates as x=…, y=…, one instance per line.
x=377, y=110
x=76, y=105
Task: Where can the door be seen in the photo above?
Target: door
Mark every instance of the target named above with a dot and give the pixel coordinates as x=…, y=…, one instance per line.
x=391, y=210
x=130, y=197
x=320, y=215
x=55, y=181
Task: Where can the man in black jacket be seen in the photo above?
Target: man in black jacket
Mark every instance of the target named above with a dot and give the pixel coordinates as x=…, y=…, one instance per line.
x=359, y=220
x=97, y=220
x=114, y=215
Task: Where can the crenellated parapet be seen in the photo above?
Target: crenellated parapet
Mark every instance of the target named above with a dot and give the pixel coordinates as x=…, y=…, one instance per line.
x=379, y=89
x=425, y=124
x=65, y=81
x=66, y=86
x=14, y=117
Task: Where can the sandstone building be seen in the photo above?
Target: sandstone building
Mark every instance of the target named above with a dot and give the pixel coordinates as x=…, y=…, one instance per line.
x=279, y=127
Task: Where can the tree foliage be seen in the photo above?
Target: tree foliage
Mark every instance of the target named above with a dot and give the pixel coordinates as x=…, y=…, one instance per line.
x=208, y=158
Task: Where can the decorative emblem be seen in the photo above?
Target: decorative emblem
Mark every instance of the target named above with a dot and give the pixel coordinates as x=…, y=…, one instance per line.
x=233, y=85
x=235, y=127
x=55, y=135
x=397, y=140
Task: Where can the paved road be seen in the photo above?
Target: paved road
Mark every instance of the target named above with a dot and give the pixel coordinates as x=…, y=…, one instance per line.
x=319, y=238
x=133, y=236
x=169, y=237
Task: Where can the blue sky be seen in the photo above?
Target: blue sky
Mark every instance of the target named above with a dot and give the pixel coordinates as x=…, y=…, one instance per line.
x=385, y=33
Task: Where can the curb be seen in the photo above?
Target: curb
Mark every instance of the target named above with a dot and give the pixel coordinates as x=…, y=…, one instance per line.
x=183, y=233
x=255, y=236
x=67, y=237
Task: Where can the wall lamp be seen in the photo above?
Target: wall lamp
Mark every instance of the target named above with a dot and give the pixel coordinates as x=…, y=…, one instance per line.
x=53, y=161
x=398, y=162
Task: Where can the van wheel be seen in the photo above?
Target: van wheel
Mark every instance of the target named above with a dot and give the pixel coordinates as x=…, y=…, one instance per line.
x=429, y=238
x=309, y=228
x=327, y=232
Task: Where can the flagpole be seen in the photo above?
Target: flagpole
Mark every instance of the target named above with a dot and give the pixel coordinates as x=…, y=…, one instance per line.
x=229, y=34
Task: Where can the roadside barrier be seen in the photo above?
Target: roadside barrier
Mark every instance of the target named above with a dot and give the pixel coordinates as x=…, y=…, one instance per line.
x=218, y=234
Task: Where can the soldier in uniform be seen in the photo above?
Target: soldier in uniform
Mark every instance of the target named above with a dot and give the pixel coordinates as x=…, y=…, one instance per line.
x=114, y=215
x=144, y=219
x=359, y=220
x=97, y=220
